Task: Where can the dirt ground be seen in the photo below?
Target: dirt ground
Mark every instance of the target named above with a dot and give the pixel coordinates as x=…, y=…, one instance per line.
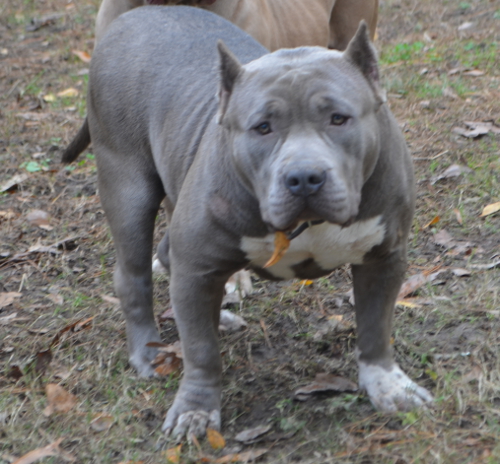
x=440, y=62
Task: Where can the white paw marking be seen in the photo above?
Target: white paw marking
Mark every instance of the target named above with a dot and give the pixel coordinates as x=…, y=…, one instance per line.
x=158, y=268
x=328, y=244
x=391, y=390
x=240, y=282
x=230, y=322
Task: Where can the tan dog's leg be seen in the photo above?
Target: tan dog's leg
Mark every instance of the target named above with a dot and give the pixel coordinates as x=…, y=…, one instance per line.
x=111, y=9
x=345, y=18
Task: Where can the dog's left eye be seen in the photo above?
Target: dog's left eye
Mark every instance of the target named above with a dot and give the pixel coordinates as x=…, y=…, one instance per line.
x=264, y=128
x=338, y=119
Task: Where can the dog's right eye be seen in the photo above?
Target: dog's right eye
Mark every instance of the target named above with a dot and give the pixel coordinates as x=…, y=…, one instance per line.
x=264, y=128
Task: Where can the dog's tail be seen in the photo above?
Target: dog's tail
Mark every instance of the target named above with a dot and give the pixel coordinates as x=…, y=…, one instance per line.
x=78, y=144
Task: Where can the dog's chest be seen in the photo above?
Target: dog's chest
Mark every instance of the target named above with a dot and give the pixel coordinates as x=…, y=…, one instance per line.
x=318, y=250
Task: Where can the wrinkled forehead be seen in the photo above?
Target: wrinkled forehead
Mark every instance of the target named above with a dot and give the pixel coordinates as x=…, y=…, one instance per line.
x=299, y=74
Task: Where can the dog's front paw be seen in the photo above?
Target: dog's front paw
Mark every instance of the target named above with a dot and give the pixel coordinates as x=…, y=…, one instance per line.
x=391, y=390
x=191, y=423
x=194, y=410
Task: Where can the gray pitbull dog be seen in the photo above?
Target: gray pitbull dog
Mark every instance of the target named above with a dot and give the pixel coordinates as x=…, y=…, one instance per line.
x=290, y=139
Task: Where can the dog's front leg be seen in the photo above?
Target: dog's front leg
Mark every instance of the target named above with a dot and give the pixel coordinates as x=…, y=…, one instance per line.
x=376, y=286
x=196, y=300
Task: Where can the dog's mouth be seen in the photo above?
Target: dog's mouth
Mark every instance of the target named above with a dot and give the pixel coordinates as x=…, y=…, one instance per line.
x=298, y=226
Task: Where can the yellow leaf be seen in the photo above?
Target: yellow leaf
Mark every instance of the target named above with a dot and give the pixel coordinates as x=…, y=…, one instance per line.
x=84, y=56
x=215, y=439
x=306, y=282
x=281, y=244
x=69, y=92
x=431, y=223
x=490, y=209
x=49, y=98
x=407, y=304
x=173, y=455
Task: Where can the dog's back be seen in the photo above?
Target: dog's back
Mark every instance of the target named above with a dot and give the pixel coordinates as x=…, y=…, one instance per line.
x=155, y=58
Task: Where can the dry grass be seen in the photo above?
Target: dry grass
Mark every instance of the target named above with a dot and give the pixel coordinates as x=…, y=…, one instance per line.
x=449, y=342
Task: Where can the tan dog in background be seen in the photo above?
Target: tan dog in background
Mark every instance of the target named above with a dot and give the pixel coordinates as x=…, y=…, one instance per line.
x=274, y=23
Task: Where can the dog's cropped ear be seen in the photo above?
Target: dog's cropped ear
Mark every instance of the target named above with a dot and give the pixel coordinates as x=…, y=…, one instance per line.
x=363, y=55
x=230, y=69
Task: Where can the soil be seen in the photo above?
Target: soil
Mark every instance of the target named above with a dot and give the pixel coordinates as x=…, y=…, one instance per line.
x=440, y=67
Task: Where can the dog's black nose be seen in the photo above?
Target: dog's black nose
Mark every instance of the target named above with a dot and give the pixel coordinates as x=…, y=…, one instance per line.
x=305, y=182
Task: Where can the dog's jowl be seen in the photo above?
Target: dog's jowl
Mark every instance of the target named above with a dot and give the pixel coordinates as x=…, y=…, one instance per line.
x=246, y=144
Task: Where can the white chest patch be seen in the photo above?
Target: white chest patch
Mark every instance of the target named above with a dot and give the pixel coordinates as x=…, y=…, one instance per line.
x=329, y=245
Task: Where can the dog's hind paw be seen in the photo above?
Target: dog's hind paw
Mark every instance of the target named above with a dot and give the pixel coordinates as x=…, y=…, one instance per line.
x=158, y=267
x=391, y=390
x=192, y=423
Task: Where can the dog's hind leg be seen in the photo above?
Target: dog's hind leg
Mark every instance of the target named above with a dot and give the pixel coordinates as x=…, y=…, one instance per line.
x=131, y=193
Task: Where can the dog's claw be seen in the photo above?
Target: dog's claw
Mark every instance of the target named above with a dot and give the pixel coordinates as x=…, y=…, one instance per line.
x=192, y=423
x=391, y=390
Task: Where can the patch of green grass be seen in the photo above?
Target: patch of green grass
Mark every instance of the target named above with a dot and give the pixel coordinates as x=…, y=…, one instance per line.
x=483, y=55
x=32, y=87
x=401, y=52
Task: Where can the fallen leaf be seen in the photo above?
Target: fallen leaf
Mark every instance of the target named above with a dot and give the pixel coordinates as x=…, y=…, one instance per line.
x=444, y=239
x=458, y=215
x=74, y=327
x=81, y=325
x=7, y=319
x=39, y=218
x=169, y=358
x=407, y=304
x=215, y=439
x=49, y=450
x=247, y=456
x=466, y=26
x=435, y=220
x=102, y=423
x=69, y=92
x=454, y=170
x=476, y=129
x=59, y=400
x=306, y=282
x=250, y=435
x=7, y=298
x=55, y=298
x=485, y=267
x=326, y=382
x=13, y=182
x=474, y=73
x=43, y=359
x=413, y=283
x=173, y=455
x=111, y=299
x=7, y=214
x=490, y=209
x=475, y=373
x=459, y=272
x=84, y=56
x=49, y=98
x=281, y=244
x=173, y=348
x=15, y=372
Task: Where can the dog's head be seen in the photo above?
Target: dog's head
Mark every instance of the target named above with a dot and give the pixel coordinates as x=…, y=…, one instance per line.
x=303, y=129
